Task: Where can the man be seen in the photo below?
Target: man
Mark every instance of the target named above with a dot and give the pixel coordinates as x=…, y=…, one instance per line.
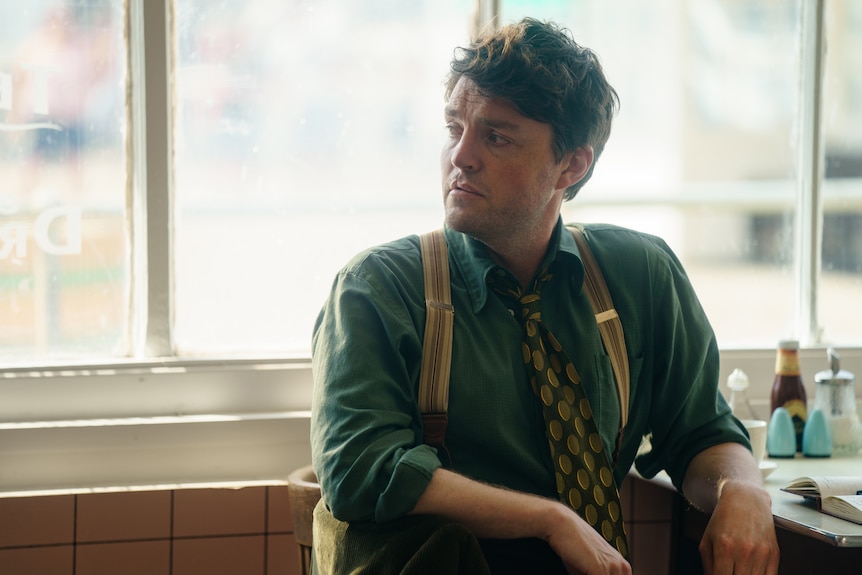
x=528, y=112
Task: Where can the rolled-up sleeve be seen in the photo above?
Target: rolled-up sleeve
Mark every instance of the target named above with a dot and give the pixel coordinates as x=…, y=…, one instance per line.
x=366, y=432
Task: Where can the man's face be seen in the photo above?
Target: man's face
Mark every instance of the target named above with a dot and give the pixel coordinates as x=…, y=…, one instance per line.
x=500, y=178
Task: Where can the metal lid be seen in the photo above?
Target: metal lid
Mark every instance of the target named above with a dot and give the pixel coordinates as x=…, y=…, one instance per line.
x=830, y=377
x=835, y=375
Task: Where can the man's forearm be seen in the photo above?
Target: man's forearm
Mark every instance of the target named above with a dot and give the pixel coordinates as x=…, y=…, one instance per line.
x=488, y=511
x=498, y=513
x=714, y=469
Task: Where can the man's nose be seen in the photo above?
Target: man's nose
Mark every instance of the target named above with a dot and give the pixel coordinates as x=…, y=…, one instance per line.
x=465, y=153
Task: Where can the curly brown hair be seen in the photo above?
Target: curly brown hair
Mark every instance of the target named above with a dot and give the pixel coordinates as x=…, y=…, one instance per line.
x=547, y=76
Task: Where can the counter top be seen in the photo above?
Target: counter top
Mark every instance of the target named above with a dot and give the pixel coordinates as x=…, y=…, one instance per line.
x=801, y=516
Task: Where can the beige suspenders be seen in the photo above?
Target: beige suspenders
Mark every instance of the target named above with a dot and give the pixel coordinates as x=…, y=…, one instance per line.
x=610, y=326
x=437, y=343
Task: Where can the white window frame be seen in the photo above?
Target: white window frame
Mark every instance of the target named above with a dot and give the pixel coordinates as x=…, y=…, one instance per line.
x=158, y=419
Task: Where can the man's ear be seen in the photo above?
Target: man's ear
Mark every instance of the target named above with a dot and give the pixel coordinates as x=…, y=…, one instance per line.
x=575, y=166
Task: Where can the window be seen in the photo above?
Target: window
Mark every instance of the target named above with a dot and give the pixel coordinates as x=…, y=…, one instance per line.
x=841, y=280
x=64, y=275
x=296, y=126
x=288, y=147
x=304, y=131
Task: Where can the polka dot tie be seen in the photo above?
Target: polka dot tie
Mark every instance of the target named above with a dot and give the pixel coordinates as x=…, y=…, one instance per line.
x=582, y=469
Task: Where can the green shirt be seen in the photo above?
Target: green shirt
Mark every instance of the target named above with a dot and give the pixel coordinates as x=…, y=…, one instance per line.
x=366, y=430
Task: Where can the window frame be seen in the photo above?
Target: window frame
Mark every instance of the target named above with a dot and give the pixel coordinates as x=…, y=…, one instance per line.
x=156, y=418
x=150, y=26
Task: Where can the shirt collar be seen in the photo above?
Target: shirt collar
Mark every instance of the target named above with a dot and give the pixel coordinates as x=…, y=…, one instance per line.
x=474, y=262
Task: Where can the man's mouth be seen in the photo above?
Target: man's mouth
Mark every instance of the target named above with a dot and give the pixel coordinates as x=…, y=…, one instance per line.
x=464, y=187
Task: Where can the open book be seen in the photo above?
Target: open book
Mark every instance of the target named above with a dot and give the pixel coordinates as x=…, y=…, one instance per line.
x=840, y=496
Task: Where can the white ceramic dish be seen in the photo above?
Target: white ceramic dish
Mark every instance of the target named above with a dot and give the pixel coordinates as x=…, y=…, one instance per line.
x=767, y=467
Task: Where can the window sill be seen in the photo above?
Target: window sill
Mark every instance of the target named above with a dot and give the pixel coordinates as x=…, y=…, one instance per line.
x=129, y=425
x=172, y=422
x=106, y=454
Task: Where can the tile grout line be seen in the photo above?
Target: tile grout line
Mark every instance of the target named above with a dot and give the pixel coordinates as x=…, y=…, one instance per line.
x=266, y=531
x=157, y=539
x=171, y=536
x=75, y=535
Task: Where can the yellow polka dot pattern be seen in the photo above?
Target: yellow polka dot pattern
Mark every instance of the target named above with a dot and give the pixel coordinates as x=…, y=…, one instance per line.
x=582, y=473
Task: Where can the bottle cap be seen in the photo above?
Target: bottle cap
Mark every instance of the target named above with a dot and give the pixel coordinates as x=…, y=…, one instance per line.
x=737, y=380
x=788, y=344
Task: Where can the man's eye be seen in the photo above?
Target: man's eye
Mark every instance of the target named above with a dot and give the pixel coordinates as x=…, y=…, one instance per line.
x=453, y=129
x=497, y=139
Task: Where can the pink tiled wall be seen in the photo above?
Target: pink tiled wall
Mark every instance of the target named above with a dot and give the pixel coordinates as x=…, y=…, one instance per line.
x=244, y=531
x=649, y=512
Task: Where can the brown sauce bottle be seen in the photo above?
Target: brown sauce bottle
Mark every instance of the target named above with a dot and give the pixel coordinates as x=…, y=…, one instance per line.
x=787, y=390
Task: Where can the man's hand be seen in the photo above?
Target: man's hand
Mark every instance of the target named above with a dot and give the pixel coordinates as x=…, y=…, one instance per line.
x=725, y=481
x=581, y=548
x=740, y=536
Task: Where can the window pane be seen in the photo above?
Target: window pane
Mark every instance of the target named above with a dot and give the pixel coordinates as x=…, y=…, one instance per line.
x=840, y=311
x=64, y=281
x=305, y=132
x=702, y=152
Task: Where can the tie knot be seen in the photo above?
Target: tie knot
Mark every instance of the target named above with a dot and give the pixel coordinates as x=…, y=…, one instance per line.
x=504, y=284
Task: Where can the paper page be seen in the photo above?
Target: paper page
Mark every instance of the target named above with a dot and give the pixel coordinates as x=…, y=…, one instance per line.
x=839, y=485
x=847, y=507
x=826, y=486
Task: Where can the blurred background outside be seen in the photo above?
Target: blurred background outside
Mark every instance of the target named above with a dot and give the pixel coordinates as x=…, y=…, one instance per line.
x=305, y=131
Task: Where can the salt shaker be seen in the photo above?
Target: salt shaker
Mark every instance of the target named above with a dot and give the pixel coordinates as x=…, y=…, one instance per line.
x=835, y=395
x=737, y=383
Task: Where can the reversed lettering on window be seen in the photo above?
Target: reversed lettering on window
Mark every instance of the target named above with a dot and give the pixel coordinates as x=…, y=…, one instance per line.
x=56, y=231
x=38, y=106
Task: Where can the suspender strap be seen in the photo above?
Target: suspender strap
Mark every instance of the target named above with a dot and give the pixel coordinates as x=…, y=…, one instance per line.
x=437, y=343
x=610, y=326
